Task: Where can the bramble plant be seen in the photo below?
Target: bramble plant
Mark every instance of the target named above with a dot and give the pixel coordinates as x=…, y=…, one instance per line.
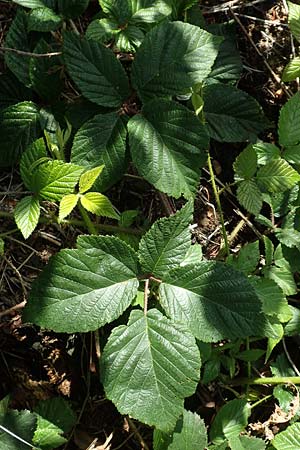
x=148, y=86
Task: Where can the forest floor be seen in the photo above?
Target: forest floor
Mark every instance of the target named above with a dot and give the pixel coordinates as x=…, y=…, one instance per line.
x=37, y=364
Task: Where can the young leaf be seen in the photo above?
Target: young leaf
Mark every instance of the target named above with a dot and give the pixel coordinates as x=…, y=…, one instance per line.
x=82, y=289
x=230, y=420
x=288, y=129
x=288, y=439
x=277, y=176
x=96, y=71
x=249, y=196
x=164, y=246
x=20, y=423
x=245, y=164
x=98, y=204
x=72, y=8
x=19, y=128
x=167, y=144
x=292, y=69
x=102, y=141
x=54, y=179
x=67, y=204
x=36, y=151
x=213, y=300
x=88, y=178
x=26, y=214
x=17, y=38
x=294, y=19
x=102, y=30
x=189, y=433
x=231, y=114
x=153, y=354
x=183, y=58
x=43, y=20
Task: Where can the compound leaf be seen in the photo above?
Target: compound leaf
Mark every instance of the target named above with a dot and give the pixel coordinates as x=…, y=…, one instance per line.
x=213, y=300
x=167, y=144
x=277, y=176
x=88, y=178
x=183, y=58
x=96, y=71
x=82, y=289
x=165, y=245
x=27, y=213
x=102, y=141
x=149, y=366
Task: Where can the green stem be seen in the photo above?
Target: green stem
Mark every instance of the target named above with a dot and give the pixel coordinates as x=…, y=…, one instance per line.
x=248, y=365
x=265, y=380
x=219, y=207
x=261, y=401
x=87, y=220
x=80, y=223
x=7, y=233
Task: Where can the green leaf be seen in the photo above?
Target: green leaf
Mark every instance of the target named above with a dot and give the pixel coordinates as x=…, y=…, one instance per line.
x=292, y=69
x=289, y=119
x=12, y=90
x=193, y=255
x=213, y=300
x=281, y=367
x=19, y=128
x=285, y=394
x=288, y=439
x=245, y=164
x=284, y=278
x=143, y=11
x=88, y=178
x=45, y=74
x=36, y=151
x=17, y=38
x=249, y=196
x=102, y=141
x=2, y=247
x=20, y=423
x=67, y=204
x=180, y=6
x=247, y=259
x=96, y=71
x=82, y=289
x=292, y=328
x=164, y=246
x=277, y=176
x=167, y=144
x=231, y=114
x=245, y=442
x=294, y=19
x=183, y=58
x=250, y=355
x=292, y=154
x=43, y=20
x=72, y=8
x=153, y=354
x=98, y=204
x=30, y=3
x=102, y=30
x=54, y=179
x=189, y=433
x=54, y=417
x=26, y=214
x=230, y=420
x=130, y=39
x=265, y=152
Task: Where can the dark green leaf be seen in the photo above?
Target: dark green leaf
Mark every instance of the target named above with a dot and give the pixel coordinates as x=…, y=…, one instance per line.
x=12, y=91
x=247, y=259
x=230, y=420
x=250, y=196
x=72, y=8
x=245, y=164
x=289, y=119
x=22, y=424
x=43, y=20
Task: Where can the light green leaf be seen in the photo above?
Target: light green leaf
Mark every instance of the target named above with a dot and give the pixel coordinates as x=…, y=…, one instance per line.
x=20, y=423
x=292, y=154
x=54, y=179
x=231, y=114
x=81, y=290
x=67, y=204
x=35, y=152
x=143, y=11
x=289, y=119
x=156, y=356
x=213, y=300
x=19, y=128
x=43, y=20
x=288, y=439
x=130, y=39
x=294, y=19
x=284, y=278
x=26, y=214
x=88, y=178
x=165, y=245
x=292, y=328
x=183, y=58
x=98, y=204
x=193, y=255
x=102, y=141
x=277, y=176
x=102, y=30
x=96, y=71
x=247, y=259
x=249, y=196
x=167, y=144
x=245, y=442
x=266, y=152
x=72, y=8
x=54, y=417
x=292, y=69
x=30, y=3
x=189, y=433
x=245, y=164
x=17, y=38
x=230, y=420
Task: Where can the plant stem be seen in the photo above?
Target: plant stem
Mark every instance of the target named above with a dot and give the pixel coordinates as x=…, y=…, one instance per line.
x=265, y=380
x=248, y=365
x=261, y=401
x=146, y=288
x=7, y=233
x=80, y=223
x=219, y=207
x=86, y=218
